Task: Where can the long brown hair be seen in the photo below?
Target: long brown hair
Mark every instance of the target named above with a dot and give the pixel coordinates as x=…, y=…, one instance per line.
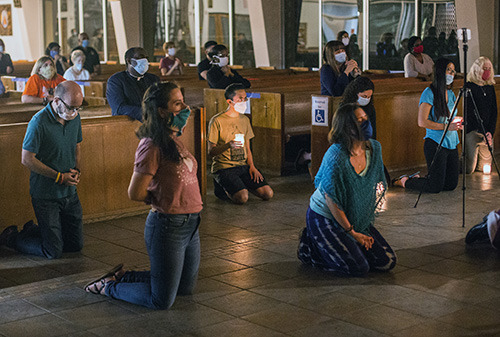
x=345, y=127
x=329, y=55
x=154, y=125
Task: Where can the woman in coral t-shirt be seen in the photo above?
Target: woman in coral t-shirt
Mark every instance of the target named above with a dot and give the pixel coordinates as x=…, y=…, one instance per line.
x=164, y=177
x=40, y=86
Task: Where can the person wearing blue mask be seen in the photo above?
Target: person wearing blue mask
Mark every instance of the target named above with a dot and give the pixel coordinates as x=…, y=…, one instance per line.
x=337, y=70
x=92, y=62
x=77, y=72
x=434, y=112
x=126, y=89
x=165, y=177
x=350, y=186
x=54, y=50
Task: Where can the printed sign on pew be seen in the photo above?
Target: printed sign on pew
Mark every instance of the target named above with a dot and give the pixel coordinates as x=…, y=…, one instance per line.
x=319, y=111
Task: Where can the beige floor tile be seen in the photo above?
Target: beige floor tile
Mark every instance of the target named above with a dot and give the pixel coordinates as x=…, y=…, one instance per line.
x=286, y=318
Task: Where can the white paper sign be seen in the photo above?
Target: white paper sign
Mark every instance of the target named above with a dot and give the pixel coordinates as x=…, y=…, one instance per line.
x=320, y=111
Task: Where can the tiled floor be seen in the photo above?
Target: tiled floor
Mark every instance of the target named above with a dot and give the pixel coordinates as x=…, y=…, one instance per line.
x=251, y=283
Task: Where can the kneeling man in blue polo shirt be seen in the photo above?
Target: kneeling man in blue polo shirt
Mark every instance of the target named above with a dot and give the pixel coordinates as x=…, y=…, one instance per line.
x=51, y=150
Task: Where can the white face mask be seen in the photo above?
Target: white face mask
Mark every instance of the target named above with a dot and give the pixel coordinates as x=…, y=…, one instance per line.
x=363, y=101
x=241, y=107
x=171, y=51
x=223, y=61
x=345, y=41
x=142, y=66
x=66, y=114
x=47, y=71
x=1, y=49
x=79, y=66
x=449, y=79
x=341, y=57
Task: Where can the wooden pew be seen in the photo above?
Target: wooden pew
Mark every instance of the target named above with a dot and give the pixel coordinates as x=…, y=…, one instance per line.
x=267, y=118
x=108, y=151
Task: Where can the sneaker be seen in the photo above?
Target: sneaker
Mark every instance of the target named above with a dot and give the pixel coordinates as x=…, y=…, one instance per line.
x=9, y=236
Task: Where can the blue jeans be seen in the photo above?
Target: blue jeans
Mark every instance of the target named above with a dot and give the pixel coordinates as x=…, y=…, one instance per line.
x=173, y=244
x=60, y=228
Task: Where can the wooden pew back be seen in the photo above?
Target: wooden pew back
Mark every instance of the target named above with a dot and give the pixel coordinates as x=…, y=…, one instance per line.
x=108, y=151
x=267, y=123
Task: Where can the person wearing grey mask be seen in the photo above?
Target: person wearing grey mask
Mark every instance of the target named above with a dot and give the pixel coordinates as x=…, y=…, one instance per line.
x=220, y=75
x=6, y=66
x=126, y=89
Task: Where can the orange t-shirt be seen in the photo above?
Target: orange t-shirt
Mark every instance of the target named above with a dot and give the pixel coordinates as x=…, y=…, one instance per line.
x=38, y=87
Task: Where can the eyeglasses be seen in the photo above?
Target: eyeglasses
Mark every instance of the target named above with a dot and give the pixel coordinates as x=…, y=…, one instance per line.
x=71, y=108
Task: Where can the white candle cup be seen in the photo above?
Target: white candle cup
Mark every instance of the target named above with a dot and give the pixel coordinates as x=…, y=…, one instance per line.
x=486, y=168
x=239, y=137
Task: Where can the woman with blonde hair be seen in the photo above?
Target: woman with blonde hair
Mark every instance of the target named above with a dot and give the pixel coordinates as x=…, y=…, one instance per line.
x=40, y=86
x=337, y=70
x=77, y=72
x=480, y=81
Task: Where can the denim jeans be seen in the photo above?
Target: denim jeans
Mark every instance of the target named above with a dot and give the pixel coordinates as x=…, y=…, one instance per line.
x=173, y=244
x=60, y=228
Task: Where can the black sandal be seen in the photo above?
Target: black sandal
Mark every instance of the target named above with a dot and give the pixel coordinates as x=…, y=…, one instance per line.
x=96, y=288
x=108, y=274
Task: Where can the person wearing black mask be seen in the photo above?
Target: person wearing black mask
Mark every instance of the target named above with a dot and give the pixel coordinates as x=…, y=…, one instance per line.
x=126, y=89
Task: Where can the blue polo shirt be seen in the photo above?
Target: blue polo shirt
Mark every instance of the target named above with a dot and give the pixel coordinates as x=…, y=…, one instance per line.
x=54, y=145
x=451, y=139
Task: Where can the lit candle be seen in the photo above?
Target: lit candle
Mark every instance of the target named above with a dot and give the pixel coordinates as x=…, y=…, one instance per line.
x=486, y=168
x=239, y=137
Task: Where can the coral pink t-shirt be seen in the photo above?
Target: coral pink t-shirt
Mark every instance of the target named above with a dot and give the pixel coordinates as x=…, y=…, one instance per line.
x=174, y=187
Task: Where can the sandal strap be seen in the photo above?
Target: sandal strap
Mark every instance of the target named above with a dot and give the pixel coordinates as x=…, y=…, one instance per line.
x=96, y=288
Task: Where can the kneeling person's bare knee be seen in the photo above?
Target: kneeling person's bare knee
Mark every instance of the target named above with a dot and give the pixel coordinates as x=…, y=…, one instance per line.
x=240, y=197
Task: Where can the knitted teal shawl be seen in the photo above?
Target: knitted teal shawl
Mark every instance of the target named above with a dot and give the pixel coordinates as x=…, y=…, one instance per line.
x=357, y=196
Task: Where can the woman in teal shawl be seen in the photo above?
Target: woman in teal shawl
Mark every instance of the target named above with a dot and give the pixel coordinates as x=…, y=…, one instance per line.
x=339, y=235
